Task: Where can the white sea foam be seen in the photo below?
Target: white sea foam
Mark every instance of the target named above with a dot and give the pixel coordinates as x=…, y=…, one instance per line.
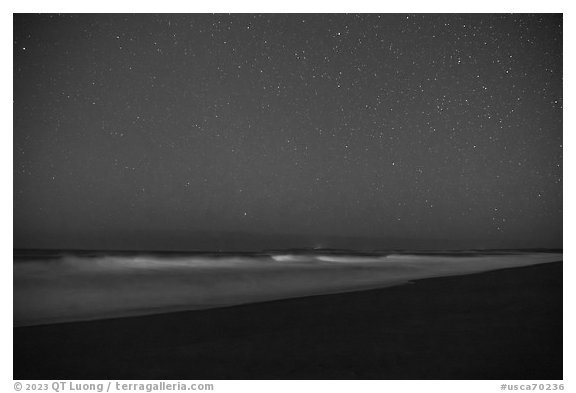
x=293, y=258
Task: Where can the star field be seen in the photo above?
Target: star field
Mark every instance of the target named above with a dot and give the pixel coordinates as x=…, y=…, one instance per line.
x=412, y=130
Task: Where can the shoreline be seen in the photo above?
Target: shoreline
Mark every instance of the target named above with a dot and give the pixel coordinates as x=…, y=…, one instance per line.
x=88, y=290
x=502, y=324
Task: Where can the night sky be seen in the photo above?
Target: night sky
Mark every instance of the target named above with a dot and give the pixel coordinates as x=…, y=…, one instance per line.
x=226, y=132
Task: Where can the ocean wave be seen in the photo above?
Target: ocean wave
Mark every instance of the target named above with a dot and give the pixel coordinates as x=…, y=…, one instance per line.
x=79, y=288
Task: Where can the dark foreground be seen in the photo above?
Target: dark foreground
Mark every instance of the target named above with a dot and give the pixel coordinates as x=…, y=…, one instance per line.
x=504, y=324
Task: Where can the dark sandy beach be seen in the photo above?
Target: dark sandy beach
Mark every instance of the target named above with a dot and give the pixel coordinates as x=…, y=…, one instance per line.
x=504, y=324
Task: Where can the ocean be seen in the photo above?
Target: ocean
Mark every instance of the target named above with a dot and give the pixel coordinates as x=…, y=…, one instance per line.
x=55, y=286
